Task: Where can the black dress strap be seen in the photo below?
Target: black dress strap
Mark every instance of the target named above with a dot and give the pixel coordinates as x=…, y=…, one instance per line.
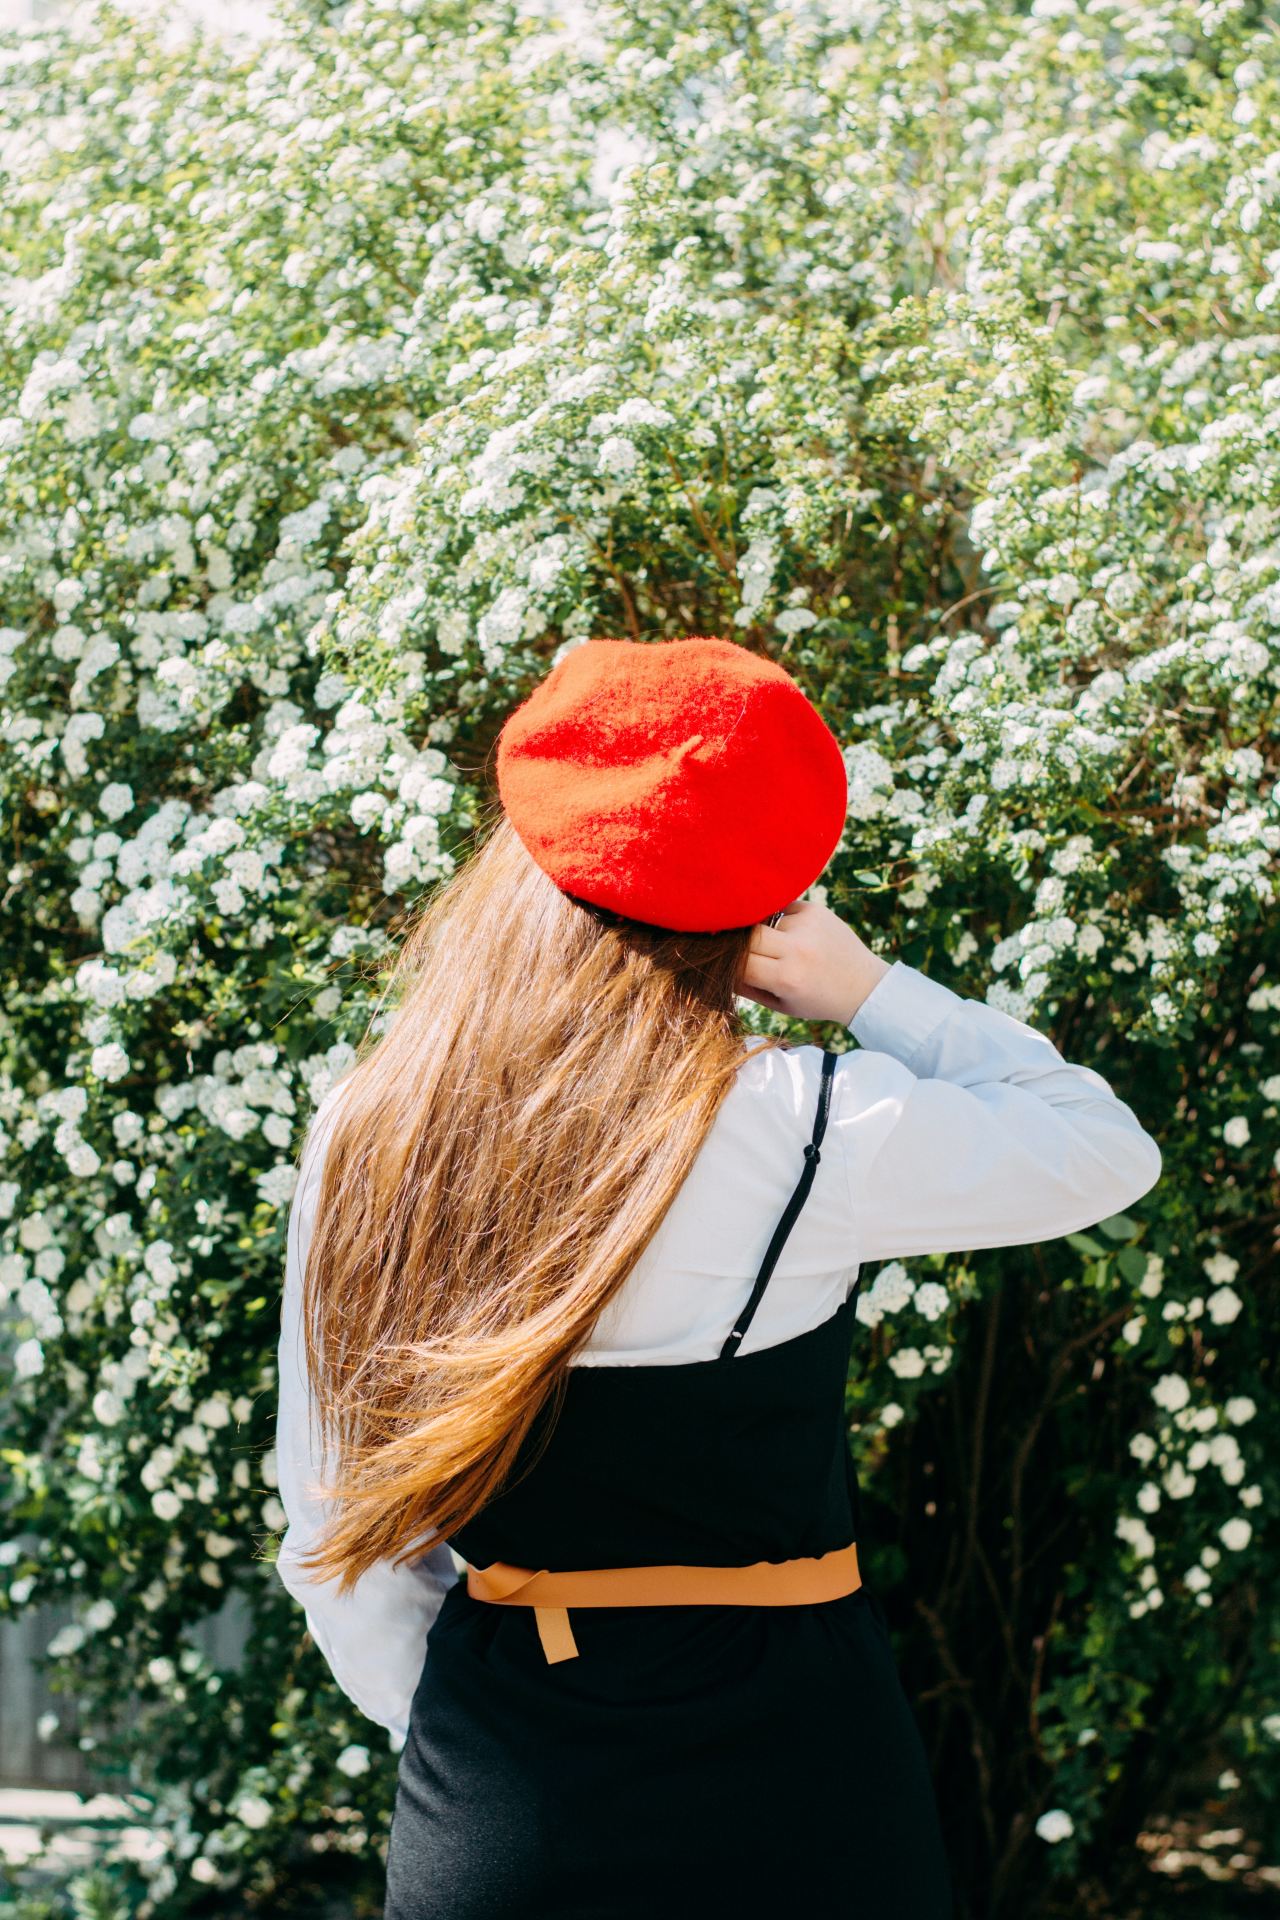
x=791, y=1212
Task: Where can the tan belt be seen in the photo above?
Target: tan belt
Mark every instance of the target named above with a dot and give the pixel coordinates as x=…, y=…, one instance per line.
x=765, y=1583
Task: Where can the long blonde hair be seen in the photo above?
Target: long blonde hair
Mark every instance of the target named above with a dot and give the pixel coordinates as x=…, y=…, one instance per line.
x=499, y=1159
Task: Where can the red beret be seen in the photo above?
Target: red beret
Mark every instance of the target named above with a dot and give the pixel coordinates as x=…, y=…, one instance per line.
x=686, y=783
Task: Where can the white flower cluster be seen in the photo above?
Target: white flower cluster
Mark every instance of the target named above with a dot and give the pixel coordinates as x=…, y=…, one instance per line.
x=891, y=1292
x=1193, y=1439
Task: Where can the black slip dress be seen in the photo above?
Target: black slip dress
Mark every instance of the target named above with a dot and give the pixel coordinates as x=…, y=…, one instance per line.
x=692, y=1760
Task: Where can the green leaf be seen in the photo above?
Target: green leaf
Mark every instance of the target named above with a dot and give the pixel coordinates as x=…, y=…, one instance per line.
x=1131, y=1263
x=1083, y=1244
x=1118, y=1226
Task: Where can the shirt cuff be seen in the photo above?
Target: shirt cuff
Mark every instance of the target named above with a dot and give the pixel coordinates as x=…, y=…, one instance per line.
x=903, y=1008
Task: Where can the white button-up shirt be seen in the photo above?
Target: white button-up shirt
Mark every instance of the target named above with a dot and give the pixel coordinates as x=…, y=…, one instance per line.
x=952, y=1127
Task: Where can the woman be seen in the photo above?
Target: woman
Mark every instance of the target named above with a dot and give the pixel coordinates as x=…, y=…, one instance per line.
x=569, y=1301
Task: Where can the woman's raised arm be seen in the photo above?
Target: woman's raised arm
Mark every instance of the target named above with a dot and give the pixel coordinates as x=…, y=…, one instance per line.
x=961, y=1127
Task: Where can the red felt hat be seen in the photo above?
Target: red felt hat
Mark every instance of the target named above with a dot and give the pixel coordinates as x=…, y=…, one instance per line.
x=686, y=783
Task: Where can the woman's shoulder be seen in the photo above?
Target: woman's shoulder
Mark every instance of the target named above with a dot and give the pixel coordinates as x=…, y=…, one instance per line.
x=776, y=1089
x=787, y=1078
x=777, y=1075
x=795, y=1068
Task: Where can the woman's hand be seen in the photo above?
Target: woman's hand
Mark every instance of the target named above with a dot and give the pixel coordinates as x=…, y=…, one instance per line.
x=811, y=966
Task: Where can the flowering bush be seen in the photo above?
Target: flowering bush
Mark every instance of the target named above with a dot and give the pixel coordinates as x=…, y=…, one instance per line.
x=350, y=378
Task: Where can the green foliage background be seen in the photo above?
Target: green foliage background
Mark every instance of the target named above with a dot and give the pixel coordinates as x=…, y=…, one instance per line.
x=926, y=347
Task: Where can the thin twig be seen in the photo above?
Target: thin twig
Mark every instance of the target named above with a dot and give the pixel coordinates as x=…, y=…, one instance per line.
x=700, y=521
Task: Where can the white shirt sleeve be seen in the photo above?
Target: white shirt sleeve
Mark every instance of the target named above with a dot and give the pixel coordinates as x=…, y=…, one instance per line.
x=374, y=1638
x=961, y=1127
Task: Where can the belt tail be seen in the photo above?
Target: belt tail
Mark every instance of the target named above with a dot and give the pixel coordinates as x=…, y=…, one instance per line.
x=556, y=1634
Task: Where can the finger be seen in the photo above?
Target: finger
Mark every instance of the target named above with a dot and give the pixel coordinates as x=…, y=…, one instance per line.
x=766, y=941
x=764, y=998
x=761, y=971
x=776, y=919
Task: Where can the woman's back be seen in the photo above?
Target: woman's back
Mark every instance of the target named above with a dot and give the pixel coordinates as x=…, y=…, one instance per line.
x=722, y=1462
